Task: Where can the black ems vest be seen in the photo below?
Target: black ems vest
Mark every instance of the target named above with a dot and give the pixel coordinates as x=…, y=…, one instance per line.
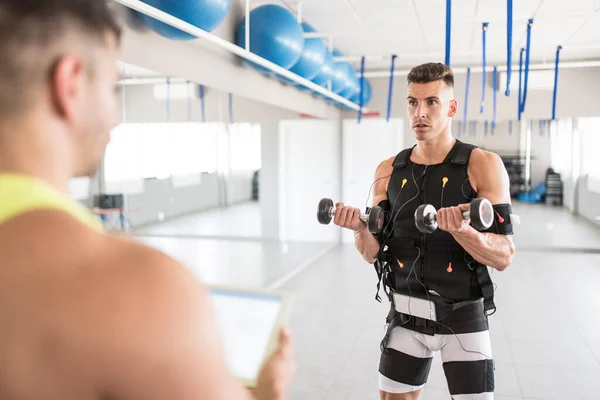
x=430, y=264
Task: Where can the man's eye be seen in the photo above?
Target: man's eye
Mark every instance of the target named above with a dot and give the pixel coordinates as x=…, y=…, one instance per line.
x=432, y=102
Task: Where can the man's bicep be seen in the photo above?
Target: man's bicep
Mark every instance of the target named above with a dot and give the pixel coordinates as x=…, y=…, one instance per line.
x=493, y=182
x=381, y=180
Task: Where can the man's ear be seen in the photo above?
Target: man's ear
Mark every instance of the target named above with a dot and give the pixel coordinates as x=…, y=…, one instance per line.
x=453, y=108
x=66, y=80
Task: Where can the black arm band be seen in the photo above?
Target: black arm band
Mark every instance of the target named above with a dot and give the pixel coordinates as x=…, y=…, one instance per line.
x=502, y=224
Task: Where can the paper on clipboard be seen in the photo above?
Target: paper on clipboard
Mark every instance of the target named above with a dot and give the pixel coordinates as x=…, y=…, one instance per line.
x=249, y=323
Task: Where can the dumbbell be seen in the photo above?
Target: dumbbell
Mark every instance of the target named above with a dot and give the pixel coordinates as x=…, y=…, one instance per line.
x=480, y=213
x=374, y=219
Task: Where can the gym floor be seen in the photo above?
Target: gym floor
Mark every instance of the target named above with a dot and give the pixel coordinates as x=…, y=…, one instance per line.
x=544, y=334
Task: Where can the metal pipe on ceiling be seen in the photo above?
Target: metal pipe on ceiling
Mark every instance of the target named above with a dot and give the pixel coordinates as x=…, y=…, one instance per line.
x=501, y=68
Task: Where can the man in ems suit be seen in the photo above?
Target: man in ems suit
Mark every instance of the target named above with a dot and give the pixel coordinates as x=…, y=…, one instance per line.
x=445, y=273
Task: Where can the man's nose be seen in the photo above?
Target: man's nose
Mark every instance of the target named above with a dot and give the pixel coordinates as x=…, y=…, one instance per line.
x=421, y=111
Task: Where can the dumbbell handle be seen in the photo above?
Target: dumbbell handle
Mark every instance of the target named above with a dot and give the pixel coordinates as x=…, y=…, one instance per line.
x=363, y=217
x=466, y=216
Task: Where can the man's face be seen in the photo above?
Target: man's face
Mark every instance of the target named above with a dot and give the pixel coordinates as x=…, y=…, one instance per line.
x=430, y=107
x=99, y=110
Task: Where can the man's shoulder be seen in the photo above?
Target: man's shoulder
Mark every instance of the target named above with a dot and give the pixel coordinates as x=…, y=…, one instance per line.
x=386, y=165
x=484, y=159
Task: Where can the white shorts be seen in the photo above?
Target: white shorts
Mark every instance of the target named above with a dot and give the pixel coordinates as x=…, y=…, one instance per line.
x=406, y=361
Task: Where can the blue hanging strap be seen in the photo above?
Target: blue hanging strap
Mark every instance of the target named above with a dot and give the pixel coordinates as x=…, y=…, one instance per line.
x=467, y=94
x=168, y=100
x=558, y=49
x=509, y=29
x=448, y=29
x=202, y=103
x=531, y=126
x=362, y=88
x=389, y=105
x=230, y=108
x=527, y=59
x=484, y=28
x=189, y=103
x=520, y=81
x=494, y=97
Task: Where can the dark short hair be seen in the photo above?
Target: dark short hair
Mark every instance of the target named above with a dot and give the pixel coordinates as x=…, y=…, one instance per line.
x=431, y=72
x=32, y=39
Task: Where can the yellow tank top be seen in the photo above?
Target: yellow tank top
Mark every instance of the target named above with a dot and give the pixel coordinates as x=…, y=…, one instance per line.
x=20, y=194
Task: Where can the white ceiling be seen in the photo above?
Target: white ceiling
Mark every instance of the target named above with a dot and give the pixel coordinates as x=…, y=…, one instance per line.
x=415, y=29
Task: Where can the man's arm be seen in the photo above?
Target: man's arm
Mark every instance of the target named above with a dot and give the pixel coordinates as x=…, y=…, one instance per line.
x=365, y=242
x=490, y=179
x=167, y=344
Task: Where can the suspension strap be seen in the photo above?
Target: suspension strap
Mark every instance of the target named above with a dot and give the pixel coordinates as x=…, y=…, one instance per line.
x=520, y=81
x=509, y=29
x=484, y=28
x=527, y=59
x=494, y=97
x=558, y=49
x=189, y=102
x=448, y=29
x=389, y=105
x=467, y=95
x=202, y=103
x=362, y=88
x=230, y=108
x=168, y=102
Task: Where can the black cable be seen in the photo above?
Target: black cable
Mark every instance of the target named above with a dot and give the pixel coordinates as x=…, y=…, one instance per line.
x=371, y=188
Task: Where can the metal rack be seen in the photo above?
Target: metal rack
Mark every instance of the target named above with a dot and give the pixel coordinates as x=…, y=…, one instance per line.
x=516, y=167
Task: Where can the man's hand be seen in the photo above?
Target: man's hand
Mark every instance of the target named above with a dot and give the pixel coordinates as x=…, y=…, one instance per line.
x=276, y=375
x=348, y=217
x=450, y=219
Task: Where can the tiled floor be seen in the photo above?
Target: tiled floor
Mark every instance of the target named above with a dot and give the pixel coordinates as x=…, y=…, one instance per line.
x=545, y=334
x=252, y=264
x=240, y=221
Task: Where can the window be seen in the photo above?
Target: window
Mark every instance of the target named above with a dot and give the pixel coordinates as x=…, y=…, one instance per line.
x=589, y=129
x=163, y=150
x=561, y=142
x=590, y=143
x=245, y=151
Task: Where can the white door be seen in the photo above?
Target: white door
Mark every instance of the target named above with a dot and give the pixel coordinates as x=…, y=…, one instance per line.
x=365, y=146
x=309, y=170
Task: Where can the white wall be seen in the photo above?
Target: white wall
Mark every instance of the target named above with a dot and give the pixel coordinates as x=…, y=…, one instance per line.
x=309, y=170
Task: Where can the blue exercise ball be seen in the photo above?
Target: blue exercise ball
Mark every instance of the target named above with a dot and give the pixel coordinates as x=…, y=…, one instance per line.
x=352, y=86
x=313, y=56
x=340, y=75
x=366, y=95
x=275, y=35
x=205, y=14
x=325, y=72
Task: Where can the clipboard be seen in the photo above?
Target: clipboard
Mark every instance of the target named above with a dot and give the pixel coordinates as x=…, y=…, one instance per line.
x=249, y=321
